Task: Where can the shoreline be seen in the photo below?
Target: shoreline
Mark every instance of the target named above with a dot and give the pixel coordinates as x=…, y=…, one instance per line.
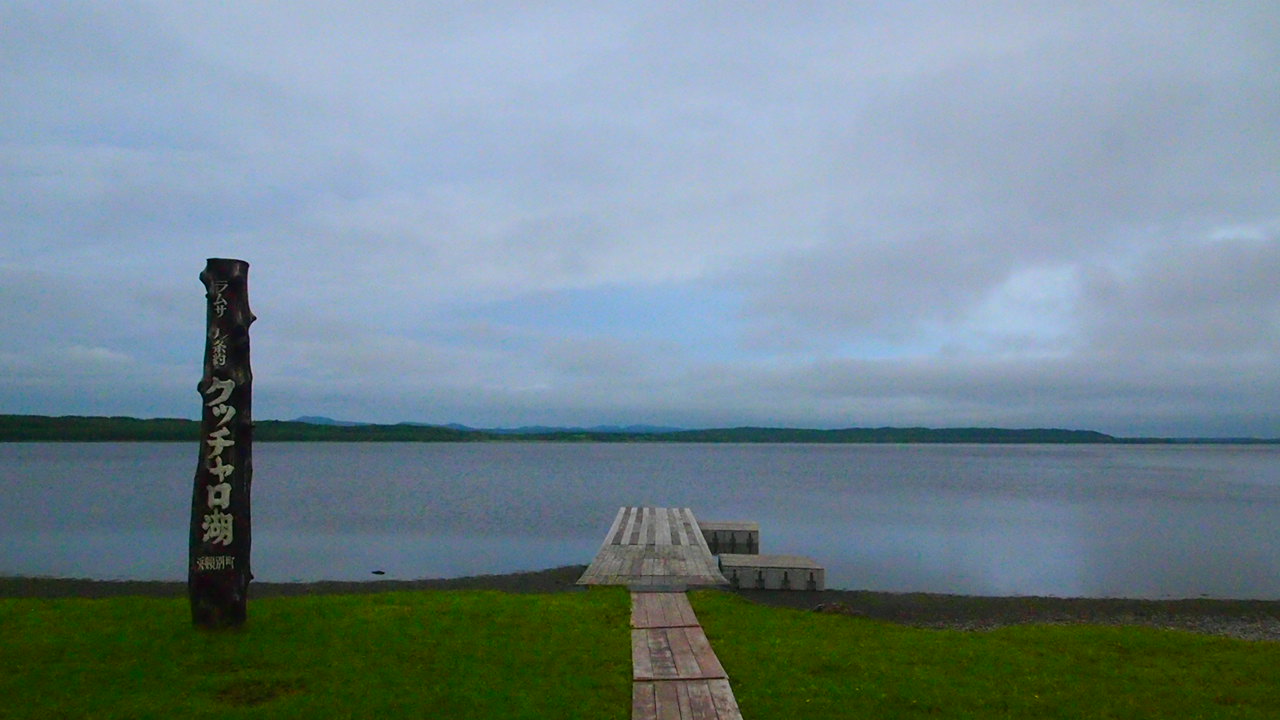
x=559, y=579
x=1242, y=619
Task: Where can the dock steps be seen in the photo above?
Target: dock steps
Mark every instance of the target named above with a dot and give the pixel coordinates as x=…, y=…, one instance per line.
x=731, y=537
x=772, y=572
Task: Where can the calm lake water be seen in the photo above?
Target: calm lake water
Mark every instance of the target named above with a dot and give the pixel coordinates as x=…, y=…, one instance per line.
x=1134, y=521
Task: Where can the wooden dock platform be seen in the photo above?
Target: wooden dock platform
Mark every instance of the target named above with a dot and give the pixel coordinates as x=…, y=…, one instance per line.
x=655, y=548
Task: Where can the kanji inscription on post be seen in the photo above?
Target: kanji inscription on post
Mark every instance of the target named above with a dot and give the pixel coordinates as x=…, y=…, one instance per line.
x=218, y=562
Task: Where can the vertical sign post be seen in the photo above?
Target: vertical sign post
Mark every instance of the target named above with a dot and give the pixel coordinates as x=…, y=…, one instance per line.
x=218, y=561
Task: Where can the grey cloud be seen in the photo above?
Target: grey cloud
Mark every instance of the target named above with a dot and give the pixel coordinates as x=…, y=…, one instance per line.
x=936, y=213
x=1201, y=298
x=949, y=181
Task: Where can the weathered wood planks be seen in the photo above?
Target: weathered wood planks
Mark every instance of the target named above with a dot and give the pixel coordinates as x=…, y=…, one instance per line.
x=661, y=610
x=654, y=547
x=681, y=653
x=676, y=675
x=709, y=699
x=658, y=553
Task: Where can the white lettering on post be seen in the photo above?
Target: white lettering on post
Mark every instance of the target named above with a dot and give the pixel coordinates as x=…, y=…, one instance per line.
x=216, y=562
x=220, y=496
x=219, y=526
x=219, y=347
x=219, y=302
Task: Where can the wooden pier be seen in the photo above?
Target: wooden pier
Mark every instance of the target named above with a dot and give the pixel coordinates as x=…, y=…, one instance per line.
x=654, y=548
x=659, y=553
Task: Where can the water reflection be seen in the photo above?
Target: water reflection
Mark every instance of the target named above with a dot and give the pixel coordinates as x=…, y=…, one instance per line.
x=1056, y=520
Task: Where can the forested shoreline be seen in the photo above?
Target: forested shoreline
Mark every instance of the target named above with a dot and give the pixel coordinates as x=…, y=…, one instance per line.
x=75, y=428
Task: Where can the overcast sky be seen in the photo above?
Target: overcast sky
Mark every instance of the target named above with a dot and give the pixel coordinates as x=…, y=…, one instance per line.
x=693, y=214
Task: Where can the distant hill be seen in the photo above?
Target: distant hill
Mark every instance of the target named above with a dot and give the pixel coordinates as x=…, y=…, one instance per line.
x=895, y=435
x=555, y=430
x=322, y=420
x=847, y=435
x=41, y=428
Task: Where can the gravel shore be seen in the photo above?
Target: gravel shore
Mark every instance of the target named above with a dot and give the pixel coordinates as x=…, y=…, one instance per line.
x=1243, y=619
x=1257, y=620
x=540, y=581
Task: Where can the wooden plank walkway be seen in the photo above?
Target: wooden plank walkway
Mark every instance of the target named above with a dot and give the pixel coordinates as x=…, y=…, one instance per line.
x=673, y=654
x=675, y=673
x=687, y=700
x=658, y=553
x=661, y=610
x=658, y=548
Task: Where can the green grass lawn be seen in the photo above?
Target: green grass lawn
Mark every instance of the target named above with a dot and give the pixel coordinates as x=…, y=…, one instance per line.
x=397, y=655
x=797, y=664
x=483, y=654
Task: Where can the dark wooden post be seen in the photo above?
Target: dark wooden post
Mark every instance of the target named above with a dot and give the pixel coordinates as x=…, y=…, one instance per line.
x=218, y=562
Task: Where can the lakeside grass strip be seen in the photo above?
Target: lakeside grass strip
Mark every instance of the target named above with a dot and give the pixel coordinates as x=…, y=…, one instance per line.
x=466, y=654
x=454, y=654
x=794, y=663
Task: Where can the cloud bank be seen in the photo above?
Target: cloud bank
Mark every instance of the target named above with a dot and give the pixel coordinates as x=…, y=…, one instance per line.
x=1021, y=214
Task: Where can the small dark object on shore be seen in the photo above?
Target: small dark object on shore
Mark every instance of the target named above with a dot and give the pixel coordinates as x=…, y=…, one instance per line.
x=836, y=608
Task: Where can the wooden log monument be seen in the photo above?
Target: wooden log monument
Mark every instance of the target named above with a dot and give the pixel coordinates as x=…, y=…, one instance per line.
x=218, y=560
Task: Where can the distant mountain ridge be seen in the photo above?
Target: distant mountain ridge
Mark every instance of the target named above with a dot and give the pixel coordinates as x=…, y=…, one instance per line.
x=521, y=430
x=322, y=420
x=554, y=429
x=43, y=428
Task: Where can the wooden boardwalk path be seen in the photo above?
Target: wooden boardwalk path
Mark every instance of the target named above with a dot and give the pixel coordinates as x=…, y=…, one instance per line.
x=659, y=553
x=675, y=672
x=662, y=548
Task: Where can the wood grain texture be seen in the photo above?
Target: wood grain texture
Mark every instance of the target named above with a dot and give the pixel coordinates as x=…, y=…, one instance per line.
x=644, y=701
x=641, y=655
x=653, y=547
x=680, y=653
x=661, y=610
x=684, y=700
x=726, y=706
x=668, y=701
